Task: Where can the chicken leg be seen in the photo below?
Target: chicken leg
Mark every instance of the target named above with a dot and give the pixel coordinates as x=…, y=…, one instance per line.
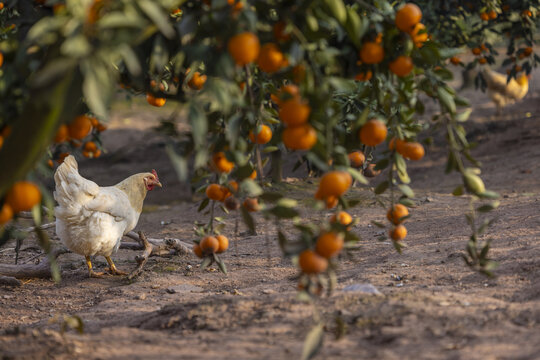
x=112, y=268
x=91, y=272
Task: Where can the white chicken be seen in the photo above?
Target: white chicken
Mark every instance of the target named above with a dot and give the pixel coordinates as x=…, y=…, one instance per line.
x=503, y=93
x=91, y=220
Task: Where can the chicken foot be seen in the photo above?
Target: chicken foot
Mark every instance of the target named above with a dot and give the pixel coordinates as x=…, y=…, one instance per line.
x=92, y=273
x=112, y=268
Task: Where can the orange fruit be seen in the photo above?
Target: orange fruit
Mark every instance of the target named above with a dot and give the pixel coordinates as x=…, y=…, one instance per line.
x=379, y=38
x=6, y=130
x=398, y=233
x=94, y=121
x=343, y=218
x=221, y=164
x=373, y=132
x=279, y=31
x=483, y=47
x=197, y=250
x=253, y=175
x=526, y=13
x=231, y=203
x=209, y=245
x=237, y=5
x=411, y=150
x=455, y=60
x=334, y=183
x=419, y=39
x=90, y=146
x=97, y=153
x=1, y=142
x=518, y=68
x=197, y=81
x=223, y=243
x=23, y=196
x=402, y=66
x=270, y=58
x=527, y=51
x=506, y=8
x=1, y=59
x=215, y=192
x=1, y=5
x=80, y=127
x=357, y=159
x=395, y=142
x=242, y=85
x=302, y=137
x=476, y=51
x=244, y=48
x=408, y=16
x=61, y=157
x=285, y=93
x=299, y=73
x=331, y=202
x=155, y=101
x=371, y=53
x=50, y=163
x=484, y=16
x=396, y=213
x=294, y=112
x=233, y=185
x=492, y=14
x=329, y=244
x=6, y=214
x=86, y=154
x=251, y=204
x=263, y=136
x=312, y=263
x=365, y=76
x=482, y=60
x=101, y=127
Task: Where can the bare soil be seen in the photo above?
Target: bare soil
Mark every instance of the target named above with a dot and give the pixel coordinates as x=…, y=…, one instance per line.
x=432, y=306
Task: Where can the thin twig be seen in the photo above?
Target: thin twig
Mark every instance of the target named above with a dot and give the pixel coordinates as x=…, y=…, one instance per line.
x=141, y=259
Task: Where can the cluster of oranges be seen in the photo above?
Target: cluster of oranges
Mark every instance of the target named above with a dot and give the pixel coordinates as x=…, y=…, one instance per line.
x=477, y=51
x=410, y=150
x=372, y=52
x=22, y=196
x=209, y=245
x=246, y=48
x=396, y=215
x=75, y=132
x=489, y=15
x=328, y=245
x=294, y=114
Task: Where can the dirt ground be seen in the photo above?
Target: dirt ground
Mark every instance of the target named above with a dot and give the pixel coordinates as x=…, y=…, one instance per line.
x=431, y=305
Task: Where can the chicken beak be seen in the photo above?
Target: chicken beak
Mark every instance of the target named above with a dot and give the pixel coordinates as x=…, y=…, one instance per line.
x=158, y=184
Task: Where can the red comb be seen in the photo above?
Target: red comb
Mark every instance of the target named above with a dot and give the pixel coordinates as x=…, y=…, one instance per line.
x=155, y=174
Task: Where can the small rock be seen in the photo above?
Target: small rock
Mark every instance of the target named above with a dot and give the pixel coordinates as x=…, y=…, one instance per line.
x=236, y=292
x=184, y=288
x=189, y=268
x=362, y=288
x=399, y=285
x=268, y=291
x=8, y=296
x=428, y=199
x=170, y=290
x=444, y=303
x=141, y=297
x=155, y=286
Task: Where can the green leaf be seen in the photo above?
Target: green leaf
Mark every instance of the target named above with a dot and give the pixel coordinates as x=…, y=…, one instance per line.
x=338, y=10
x=179, y=163
x=206, y=262
x=489, y=195
x=313, y=342
x=270, y=196
x=250, y=188
x=158, y=16
x=458, y=191
x=204, y=204
x=220, y=263
x=488, y=207
x=357, y=175
x=382, y=164
x=382, y=187
x=283, y=212
x=406, y=190
x=248, y=219
x=378, y=224
x=463, y=116
x=446, y=99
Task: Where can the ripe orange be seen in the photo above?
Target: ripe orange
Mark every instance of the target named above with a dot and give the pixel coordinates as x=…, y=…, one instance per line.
x=302, y=137
x=263, y=136
x=6, y=214
x=419, y=39
x=402, y=66
x=455, y=60
x=23, y=196
x=411, y=150
x=334, y=183
x=101, y=127
x=223, y=243
x=357, y=159
x=527, y=51
x=155, y=101
x=244, y=48
x=86, y=154
x=270, y=58
x=61, y=157
x=253, y=175
x=398, y=233
x=526, y=13
x=90, y=146
x=299, y=73
x=482, y=60
x=197, y=250
x=1, y=5
x=373, y=132
x=343, y=218
x=209, y=245
x=1, y=59
x=94, y=121
x=6, y=130
x=197, y=81
x=396, y=213
x=329, y=244
x=365, y=76
x=50, y=163
x=476, y=51
x=251, y=204
x=221, y=164
x=371, y=53
x=237, y=5
x=312, y=263
x=407, y=17
x=331, y=202
x=492, y=14
x=233, y=185
x=285, y=93
x=80, y=127
x=215, y=192
x=294, y=112
x=484, y=16
x=395, y=142
x=1, y=142
x=279, y=31
x=97, y=153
